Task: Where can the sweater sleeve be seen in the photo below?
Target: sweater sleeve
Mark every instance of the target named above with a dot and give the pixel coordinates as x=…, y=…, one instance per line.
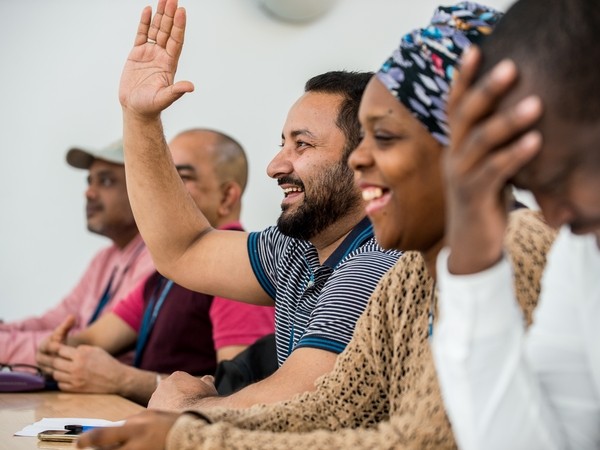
x=190, y=433
x=343, y=398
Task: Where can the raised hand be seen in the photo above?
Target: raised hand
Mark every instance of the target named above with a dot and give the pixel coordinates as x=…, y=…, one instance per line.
x=180, y=391
x=48, y=349
x=147, y=430
x=147, y=82
x=488, y=146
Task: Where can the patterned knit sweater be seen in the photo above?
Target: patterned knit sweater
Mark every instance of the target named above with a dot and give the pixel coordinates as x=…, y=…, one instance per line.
x=383, y=391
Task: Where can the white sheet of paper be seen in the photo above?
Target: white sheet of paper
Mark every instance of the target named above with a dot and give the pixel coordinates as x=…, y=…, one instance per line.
x=58, y=423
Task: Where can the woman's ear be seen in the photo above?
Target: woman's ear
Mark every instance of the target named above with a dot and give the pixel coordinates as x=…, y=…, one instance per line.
x=231, y=194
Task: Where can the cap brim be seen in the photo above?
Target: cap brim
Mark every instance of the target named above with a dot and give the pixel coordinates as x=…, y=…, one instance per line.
x=79, y=158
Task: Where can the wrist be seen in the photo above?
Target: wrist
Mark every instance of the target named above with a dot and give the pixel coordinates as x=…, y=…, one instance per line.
x=131, y=116
x=129, y=381
x=206, y=402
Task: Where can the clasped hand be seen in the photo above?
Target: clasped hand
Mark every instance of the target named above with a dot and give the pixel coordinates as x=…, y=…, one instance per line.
x=182, y=391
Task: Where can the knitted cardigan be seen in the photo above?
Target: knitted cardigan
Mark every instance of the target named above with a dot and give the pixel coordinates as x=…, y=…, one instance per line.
x=383, y=391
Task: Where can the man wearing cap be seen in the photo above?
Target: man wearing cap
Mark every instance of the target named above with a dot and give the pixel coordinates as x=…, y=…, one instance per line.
x=171, y=327
x=113, y=271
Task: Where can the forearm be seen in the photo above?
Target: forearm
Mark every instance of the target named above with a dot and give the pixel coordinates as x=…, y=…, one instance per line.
x=157, y=195
x=190, y=433
x=137, y=385
x=297, y=375
x=245, y=398
x=333, y=404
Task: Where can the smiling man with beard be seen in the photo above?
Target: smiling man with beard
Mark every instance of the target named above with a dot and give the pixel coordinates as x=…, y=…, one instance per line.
x=318, y=266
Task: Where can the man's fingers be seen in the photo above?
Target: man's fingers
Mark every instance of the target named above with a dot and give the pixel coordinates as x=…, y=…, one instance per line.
x=506, y=162
x=101, y=437
x=208, y=379
x=174, y=44
x=155, y=25
x=499, y=130
x=61, y=331
x=46, y=354
x=67, y=352
x=62, y=365
x=166, y=23
x=44, y=362
x=141, y=36
x=180, y=88
x=170, y=94
x=480, y=100
x=52, y=347
x=464, y=76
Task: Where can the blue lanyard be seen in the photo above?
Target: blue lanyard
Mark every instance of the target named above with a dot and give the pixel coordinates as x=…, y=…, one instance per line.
x=431, y=315
x=108, y=293
x=105, y=297
x=150, y=316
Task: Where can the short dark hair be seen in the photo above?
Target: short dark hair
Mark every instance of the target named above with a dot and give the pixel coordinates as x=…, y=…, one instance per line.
x=553, y=42
x=351, y=86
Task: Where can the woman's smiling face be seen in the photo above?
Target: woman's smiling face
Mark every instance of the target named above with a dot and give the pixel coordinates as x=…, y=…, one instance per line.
x=397, y=167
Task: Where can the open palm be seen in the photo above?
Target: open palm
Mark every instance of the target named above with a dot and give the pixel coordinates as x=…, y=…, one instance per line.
x=147, y=82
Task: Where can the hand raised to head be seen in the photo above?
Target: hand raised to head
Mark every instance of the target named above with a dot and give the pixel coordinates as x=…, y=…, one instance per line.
x=147, y=82
x=488, y=146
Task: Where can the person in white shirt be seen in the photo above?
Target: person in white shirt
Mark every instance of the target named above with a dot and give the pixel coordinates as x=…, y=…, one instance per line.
x=532, y=121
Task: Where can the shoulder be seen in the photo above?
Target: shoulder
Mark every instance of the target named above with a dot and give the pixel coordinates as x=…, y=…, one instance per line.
x=528, y=233
x=528, y=241
x=370, y=254
x=407, y=274
x=271, y=237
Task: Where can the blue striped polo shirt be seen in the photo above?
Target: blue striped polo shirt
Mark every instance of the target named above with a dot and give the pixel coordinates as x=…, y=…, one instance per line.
x=317, y=305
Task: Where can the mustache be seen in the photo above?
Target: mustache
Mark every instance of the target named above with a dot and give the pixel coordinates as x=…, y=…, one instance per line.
x=290, y=180
x=93, y=204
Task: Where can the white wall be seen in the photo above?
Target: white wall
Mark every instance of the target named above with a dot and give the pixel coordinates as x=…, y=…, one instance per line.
x=60, y=67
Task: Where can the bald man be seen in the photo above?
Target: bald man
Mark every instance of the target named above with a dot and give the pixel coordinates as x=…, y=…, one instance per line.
x=171, y=327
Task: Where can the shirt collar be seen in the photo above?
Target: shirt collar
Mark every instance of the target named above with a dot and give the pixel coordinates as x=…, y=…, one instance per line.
x=361, y=233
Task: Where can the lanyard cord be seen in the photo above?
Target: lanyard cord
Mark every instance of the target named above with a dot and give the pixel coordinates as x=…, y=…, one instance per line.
x=150, y=315
x=109, y=292
x=309, y=285
x=431, y=315
x=104, y=298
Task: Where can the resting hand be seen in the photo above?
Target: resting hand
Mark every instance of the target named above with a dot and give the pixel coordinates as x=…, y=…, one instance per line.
x=488, y=146
x=48, y=349
x=147, y=430
x=87, y=369
x=147, y=82
x=181, y=391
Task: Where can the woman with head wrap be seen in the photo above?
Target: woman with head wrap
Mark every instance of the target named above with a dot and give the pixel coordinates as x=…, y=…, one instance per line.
x=383, y=391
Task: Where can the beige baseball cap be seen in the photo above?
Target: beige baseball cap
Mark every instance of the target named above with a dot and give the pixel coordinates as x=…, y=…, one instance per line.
x=83, y=158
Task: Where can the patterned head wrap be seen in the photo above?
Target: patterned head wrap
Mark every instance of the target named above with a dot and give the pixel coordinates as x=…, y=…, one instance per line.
x=420, y=71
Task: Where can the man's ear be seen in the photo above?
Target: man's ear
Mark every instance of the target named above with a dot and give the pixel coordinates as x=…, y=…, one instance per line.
x=231, y=193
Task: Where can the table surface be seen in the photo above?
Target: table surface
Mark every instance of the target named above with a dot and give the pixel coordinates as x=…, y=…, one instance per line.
x=22, y=409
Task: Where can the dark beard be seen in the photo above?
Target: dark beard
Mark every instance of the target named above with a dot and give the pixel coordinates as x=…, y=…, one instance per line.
x=332, y=196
